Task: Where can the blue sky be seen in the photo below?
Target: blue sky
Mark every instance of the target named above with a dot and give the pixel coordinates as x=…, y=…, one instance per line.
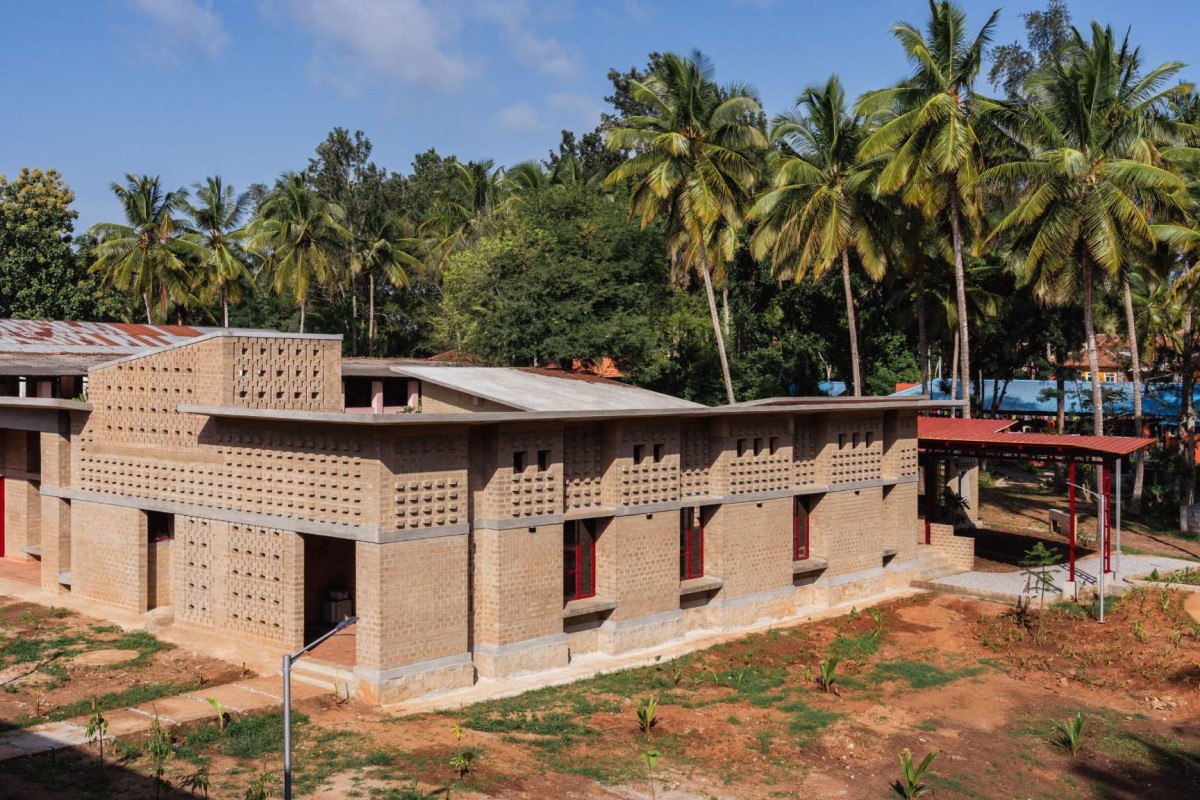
x=246, y=89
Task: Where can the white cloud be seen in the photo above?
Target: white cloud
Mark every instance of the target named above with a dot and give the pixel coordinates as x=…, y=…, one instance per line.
x=543, y=54
x=186, y=23
x=364, y=41
x=588, y=109
x=518, y=118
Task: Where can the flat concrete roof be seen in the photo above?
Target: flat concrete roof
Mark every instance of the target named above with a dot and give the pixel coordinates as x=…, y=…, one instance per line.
x=492, y=417
x=530, y=391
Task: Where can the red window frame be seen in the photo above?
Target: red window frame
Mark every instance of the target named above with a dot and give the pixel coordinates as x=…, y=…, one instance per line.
x=691, y=544
x=800, y=531
x=579, y=560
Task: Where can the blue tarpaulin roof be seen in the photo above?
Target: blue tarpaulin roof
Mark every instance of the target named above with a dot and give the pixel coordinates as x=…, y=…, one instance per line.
x=1159, y=399
x=833, y=388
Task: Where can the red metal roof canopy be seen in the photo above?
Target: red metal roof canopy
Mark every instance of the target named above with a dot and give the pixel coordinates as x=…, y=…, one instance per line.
x=990, y=437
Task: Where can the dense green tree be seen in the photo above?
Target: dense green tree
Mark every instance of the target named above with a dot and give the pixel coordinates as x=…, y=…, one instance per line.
x=298, y=234
x=1047, y=34
x=693, y=164
x=42, y=276
x=216, y=222
x=148, y=255
x=561, y=276
x=931, y=145
x=1092, y=141
x=820, y=204
x=381, y=253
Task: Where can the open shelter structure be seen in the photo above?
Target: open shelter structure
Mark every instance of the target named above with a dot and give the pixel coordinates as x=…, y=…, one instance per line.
x=946, y=440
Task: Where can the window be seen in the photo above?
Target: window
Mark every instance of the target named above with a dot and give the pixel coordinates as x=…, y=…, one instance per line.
x=800, y=528
x=841, y=440
x=691, y=544
x=543, y=460
x=758, y=446
x=658, y=452
x=639, y=453
x=870, y=438
x=518, y=461
x=773, y=444
x=741, y=447
x=854, y=439
x=579, y=559
x=159, y=526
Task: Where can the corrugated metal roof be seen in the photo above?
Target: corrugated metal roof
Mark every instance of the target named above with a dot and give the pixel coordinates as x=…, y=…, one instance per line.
x=58, y=336
x=971, y=433
x=1159, y=399
x=935, y=427
x=529, y=391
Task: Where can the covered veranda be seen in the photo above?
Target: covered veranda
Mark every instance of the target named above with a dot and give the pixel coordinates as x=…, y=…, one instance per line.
x=950, y=447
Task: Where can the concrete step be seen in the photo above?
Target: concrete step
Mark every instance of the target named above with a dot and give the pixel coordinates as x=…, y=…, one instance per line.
x=337, y=678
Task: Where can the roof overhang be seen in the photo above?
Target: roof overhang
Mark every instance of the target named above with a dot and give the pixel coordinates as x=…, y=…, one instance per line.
x=977, y=438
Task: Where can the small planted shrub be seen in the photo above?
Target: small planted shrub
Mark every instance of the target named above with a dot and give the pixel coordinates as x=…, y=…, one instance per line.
x=197, y=782
x=647, y=714
x=463, y=762
x=651, y=757
x=1071, y=733
x=262, y=788
x=97, y=727
x=911, y=783
x=828, y=675
x=158, y=748
x=221, y=716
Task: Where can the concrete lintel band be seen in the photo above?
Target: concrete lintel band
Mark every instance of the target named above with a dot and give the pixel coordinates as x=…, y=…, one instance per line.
x=380, y=675
x=552, y=640
x=359, y=533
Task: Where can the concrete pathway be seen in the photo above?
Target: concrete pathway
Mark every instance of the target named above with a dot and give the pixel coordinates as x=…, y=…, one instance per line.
x=243, y=697
x=1010, y=585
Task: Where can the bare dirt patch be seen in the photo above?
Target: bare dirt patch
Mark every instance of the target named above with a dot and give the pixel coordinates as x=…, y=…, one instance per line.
x=104, y=658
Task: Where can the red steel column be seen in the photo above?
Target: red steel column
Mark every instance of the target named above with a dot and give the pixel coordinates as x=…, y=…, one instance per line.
x=1108, y=485
x=1071, y=494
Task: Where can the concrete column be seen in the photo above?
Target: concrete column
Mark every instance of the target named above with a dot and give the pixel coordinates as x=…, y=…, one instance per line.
x=518, y=600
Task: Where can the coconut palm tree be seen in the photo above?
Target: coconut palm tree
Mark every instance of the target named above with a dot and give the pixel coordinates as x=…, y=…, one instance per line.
x=475, y=190
x=820, y=205
x=691, y=163
x=381, y=251
x=216, y=220
x=1092, y=169
x=931, y=138
x=298, y=234
x=147, y=256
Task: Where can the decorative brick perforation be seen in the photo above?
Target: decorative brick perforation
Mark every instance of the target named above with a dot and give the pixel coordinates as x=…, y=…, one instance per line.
x=198, y=570
x=695, y=459
x=757, y=469
x=271, y=372
x=900, y=443
x=533, y=492
x=255, y=588
x=853, y=457
x=646, y=480
x=805, y=452
x=583, y=467
x=430, y=481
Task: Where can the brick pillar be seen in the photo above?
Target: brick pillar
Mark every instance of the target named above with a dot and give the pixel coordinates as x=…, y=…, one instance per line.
x=55, y=512
x=637, y=565
x=22, y=517
x=412, y=617
x=518, y=600
x=109, y=555
x=749, y=546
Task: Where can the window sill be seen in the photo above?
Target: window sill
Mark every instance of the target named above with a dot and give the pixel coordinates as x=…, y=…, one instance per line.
x=890, y=552
x=708, y=583
x=808, y=565
x=588, y=605
x=34, y=550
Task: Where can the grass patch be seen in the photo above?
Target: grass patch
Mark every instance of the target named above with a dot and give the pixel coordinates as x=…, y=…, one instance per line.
x=920, y=675
x=856, y=647
x=805, y=721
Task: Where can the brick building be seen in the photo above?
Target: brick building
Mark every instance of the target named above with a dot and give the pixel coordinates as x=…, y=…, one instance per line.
x=480, y=522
